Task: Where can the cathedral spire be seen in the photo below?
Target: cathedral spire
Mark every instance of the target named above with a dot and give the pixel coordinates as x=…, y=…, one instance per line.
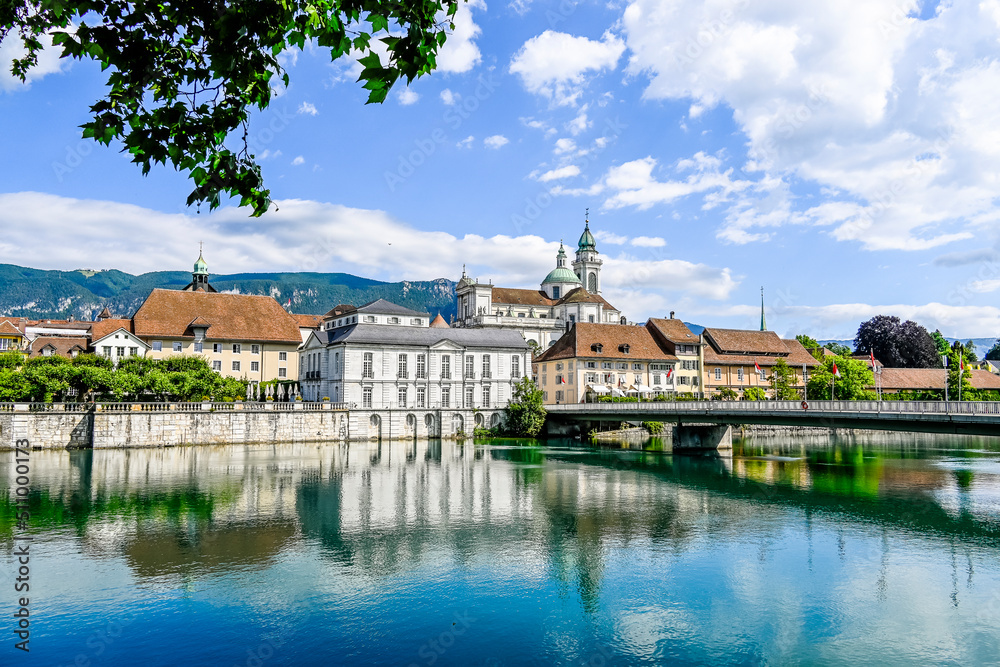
x=763, y=322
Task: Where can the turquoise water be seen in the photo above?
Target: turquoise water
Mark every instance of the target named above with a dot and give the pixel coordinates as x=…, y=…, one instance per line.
x=494, y=553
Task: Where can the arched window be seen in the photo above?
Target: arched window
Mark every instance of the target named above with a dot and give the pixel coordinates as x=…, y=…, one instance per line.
x=592, y=283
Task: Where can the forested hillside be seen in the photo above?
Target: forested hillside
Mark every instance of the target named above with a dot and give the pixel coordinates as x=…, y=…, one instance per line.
x=35, y=293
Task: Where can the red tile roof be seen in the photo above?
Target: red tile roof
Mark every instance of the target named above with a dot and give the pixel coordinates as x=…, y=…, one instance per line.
x=101, y=329
x=168, y=313
x=62, y=345
x=309, y=321
x=521, y=297
x=745, y=342
x=8, y=329
x=584, y=337
x=673, y=330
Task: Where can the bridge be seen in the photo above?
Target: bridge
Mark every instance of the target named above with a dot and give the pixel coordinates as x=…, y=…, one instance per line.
x=954, y=417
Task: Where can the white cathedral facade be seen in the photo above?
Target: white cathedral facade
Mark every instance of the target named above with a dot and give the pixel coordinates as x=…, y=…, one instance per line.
x=542, y=316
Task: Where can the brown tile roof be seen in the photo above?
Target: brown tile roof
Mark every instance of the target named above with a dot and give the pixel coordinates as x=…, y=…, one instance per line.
x=745, y=342
x=309, y=321
x=673, y=330
x=521, y=297
x=8, y=329
x=338, y=310
x=101, y=329
x=580, y=340
x=913, y=378
x=168, y=313
x=580, y=295
x=62, y=345
x=440, y=323
x=984, y=379
x=798, y=354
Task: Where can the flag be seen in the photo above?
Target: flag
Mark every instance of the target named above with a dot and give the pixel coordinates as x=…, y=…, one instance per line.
x=756, y=366
x=562, y=380
x=836, y=371
x=961, y=366
x=670, y=371
x=289, y=303
x=871, y=354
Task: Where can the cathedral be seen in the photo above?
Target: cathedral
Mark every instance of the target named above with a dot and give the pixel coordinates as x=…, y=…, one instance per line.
x=541, y=316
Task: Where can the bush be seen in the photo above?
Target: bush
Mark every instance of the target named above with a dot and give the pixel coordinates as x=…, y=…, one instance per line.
x=654, y=428
x=754, y=394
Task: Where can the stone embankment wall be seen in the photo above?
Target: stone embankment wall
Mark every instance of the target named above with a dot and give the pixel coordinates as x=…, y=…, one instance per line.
x=59, y=427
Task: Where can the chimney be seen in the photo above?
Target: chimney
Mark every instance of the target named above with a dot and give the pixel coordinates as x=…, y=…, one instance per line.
x=671, y=314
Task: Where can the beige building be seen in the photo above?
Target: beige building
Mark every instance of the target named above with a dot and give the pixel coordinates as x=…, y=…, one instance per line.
x=676, y=339
x=731, y=358
x=593, y=360
x=241, y=335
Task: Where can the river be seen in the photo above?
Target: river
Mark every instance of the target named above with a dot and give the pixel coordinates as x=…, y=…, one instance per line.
x=881, y=550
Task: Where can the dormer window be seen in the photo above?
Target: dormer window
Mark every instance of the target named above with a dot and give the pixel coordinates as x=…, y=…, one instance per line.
x=623, y=348
x=597, y=347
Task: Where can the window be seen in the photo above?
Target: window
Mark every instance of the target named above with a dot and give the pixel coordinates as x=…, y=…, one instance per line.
x=445, y=397
x=255, y=349
x=559, y=396
x=47, y=352
x=623, y=367
x=178, y=347
x=446, y=368
x=370, y=319
x=656, y=378
x=555, y=292
x=559, y=367
x=120, y=351
x=637, y=367
x=487, y=373
x=133, y=351
x=572, y=318
x=763, y=375
x=718, y=373
x=591, y=364
x=520, y=314
x=282, y=356
x=401, y=397
x=198, y=348
x=421, y=397
x=682, y=379
x=236, y=366
x=282, y=372
x=366, y=397
x=393, y=320
x=217, y=348
x=545, y=379
x=421, y=366
x=470, y=367
x=470, y=397
x=416, y=322
x=401, y=370
x=515, y=366
x=106, y=350
x=237, y=348
x=254, y=366
x=607, y=364
x=217, y=366
x=486, y=397
x=368, y=366
x=545, y=396
x=597, y=347
x=591, y=378
x=623, y=348
x=591, y=318
x=739, y=374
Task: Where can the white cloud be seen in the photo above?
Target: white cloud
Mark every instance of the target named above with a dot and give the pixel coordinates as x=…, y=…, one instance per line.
x=580, y=123
x=648, y=242
x=268, y=155
x=449, y=97
x=984, y=286
x=895, y=113
x=308, y=108
x=610, y=237
x=467, y=142
x=297, y=161
x=556, y=174
x=496, y=141
x=460, y=53
x=633, y=183
x=627, y=274
x=564, y=146
x=408, y=96
x=12, y=47
x=555, y=64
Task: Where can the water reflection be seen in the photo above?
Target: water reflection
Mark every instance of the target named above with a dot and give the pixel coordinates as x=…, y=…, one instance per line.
x=661, y=556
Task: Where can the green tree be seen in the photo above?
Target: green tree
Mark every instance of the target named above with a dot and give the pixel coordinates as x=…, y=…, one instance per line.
x=783, y=381
x=994, y=352
x=754, y=394
x=940, y=342
x=95, y=360
x=957, y=376
x=525, y=414
x=11, y=360
x=186, y=76
x=726, y=394
x=838, y=349
x=852, y=385
x=811, y=345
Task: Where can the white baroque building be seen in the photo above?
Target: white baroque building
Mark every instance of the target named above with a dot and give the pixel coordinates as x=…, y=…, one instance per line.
x=404, y=376
x=566, y=296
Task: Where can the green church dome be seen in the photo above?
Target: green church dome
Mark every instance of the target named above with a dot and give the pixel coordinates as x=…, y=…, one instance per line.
x=587, y=241
x=200, y=266
x=561, y=275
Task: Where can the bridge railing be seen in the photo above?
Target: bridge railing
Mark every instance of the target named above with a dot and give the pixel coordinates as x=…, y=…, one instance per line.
x=851, y=407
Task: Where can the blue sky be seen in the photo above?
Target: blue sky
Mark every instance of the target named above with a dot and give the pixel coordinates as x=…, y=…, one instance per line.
x=842, y=155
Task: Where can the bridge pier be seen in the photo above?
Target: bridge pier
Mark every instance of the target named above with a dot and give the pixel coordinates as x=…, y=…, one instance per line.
x=702, y=437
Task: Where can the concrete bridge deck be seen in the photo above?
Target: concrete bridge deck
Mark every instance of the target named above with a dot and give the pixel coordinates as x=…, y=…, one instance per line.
x=966, y=417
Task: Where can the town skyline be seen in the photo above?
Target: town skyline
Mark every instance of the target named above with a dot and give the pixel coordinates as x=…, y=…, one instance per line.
x=845, y=191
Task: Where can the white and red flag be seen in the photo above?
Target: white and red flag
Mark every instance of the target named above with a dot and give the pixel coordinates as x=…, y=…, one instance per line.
x=836, y=371
x=871, y=354
x=670, y=371
x=756, y=366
